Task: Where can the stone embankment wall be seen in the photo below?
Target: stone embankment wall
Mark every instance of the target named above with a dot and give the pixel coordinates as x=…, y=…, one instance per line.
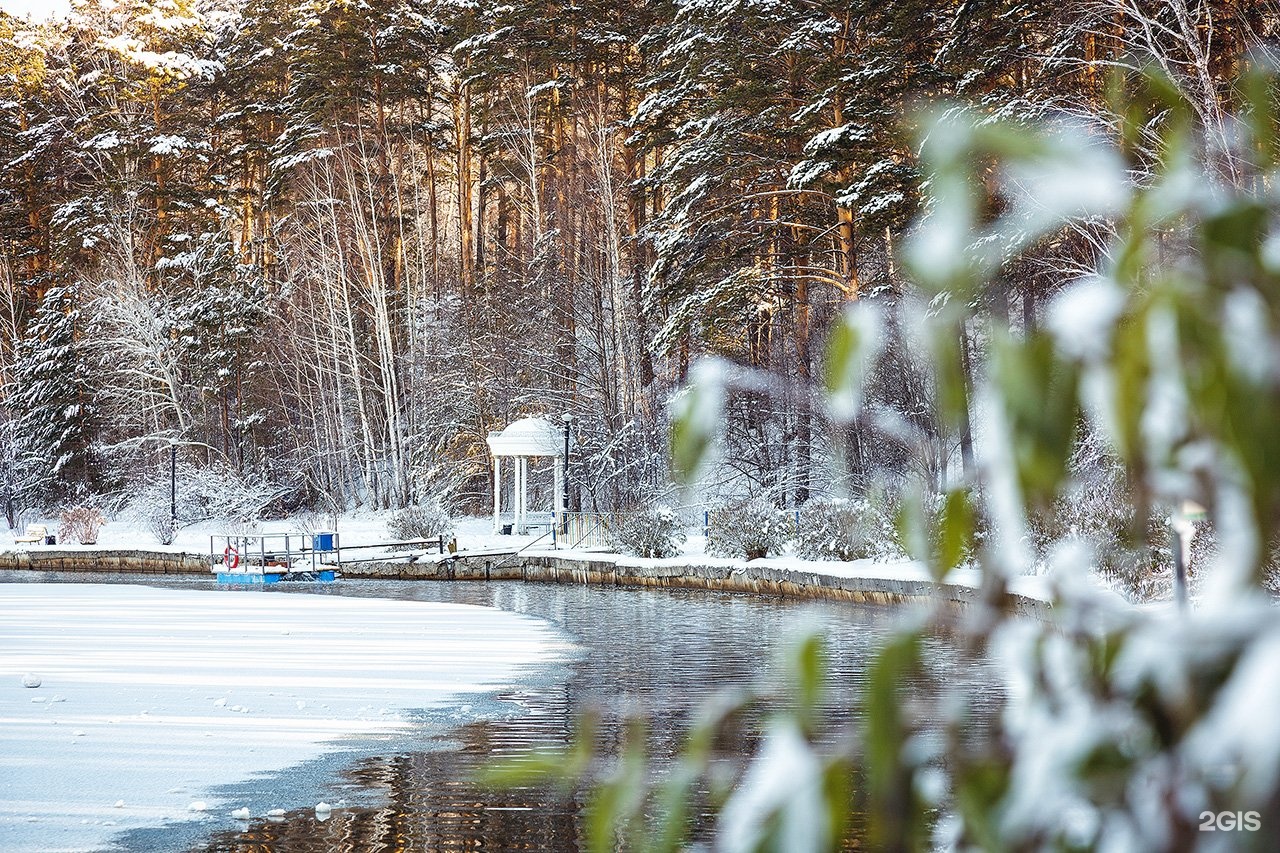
x=760, y=579
x=549, y=568
x=143, y=562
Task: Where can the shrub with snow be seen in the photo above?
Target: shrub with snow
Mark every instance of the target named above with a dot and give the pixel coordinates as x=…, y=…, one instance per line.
x=1100, y=510
x=840, y=529
x=82, y=524
x=153, y=511
x=314, y=521
x=752, y=529
x=241, y=525
x=203, y=493
x=421, y=521
x=655, y=532
x=161, y=526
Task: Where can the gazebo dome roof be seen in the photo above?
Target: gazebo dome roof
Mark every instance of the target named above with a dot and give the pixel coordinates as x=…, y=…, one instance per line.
x=528, y=437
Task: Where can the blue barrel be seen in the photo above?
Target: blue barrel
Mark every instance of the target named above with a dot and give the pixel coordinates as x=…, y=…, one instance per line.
x=322, y=541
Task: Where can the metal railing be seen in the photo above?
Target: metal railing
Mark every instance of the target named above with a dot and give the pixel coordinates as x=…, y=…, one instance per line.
x=599, y=529
x=514, y=558
x=532, y=521
x=261, y=552
x=408, y=549
x=293, y=553
x=590, y=529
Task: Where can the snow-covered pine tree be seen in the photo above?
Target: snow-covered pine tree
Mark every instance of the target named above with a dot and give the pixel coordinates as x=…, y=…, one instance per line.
x=219, y=312
x=51, y=409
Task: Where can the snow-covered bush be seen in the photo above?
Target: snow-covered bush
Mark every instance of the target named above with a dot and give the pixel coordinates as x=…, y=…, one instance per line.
x=420, y=521
x=314, y=521
x=752, y=529
x=1099, y=508
x=242, y=526
x=203, y=493
x=653, y=532
x=841, y=529
x=81, y=523
x=160, y=525
x=311, y=521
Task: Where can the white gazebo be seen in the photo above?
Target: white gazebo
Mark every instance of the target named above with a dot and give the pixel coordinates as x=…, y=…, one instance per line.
x=525, y=439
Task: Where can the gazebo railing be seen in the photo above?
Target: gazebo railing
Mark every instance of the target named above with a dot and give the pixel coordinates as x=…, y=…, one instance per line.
x=591, y=529
x=599, y=529
x=542, y=520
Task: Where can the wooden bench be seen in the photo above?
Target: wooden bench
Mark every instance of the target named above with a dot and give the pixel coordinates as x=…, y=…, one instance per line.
x=35, y=533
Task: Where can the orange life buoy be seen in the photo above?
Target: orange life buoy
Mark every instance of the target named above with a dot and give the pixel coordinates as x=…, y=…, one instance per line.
x=231, y=557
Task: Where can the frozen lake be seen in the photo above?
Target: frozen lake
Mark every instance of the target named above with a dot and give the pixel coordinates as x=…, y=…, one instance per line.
x=149, y=699
x=665, y=651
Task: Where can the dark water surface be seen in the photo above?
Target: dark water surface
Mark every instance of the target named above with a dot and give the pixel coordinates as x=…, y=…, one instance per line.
x=666, y=651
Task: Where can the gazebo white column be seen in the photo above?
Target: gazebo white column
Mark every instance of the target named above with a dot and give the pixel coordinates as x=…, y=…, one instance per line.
x=522, y=494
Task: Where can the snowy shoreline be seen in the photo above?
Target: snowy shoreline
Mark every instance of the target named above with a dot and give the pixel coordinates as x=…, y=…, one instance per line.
x=151, y=698
x=866, y=581
x=123, y=548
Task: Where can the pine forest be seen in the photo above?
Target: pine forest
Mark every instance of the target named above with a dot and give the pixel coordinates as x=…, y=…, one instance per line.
x=322, y=248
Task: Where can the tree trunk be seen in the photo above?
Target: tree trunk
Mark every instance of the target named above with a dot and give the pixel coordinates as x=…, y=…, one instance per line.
x=466, y=223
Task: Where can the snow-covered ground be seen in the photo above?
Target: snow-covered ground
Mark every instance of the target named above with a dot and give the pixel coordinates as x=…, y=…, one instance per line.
x=148, y=698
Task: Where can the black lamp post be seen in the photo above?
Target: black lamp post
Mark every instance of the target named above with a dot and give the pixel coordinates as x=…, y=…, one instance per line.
x=173, y=485
x=568, y=423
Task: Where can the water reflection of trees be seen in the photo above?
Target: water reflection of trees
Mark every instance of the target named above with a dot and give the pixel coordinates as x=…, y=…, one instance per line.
x=662, y=653
x=428, y=803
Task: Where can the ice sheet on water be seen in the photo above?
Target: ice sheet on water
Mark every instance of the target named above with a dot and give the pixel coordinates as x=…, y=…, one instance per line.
x=148, y=675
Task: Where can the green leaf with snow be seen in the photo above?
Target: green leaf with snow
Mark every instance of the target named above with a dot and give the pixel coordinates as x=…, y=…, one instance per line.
x=696, y=422
x=852, y=351
x=896, y=818
x=956, y=533
x=1039, y=389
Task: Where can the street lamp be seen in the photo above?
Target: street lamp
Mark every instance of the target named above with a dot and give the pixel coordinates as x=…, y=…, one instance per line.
x=173, y=485
x=568, y=423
